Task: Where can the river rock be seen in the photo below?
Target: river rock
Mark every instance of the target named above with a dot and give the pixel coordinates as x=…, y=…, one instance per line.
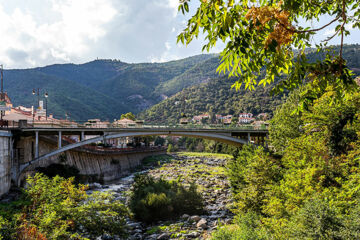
x=94, y=185
x=202, y=224
x=163, y=236
x=136, y=236
x=195, y=218
x=193, y=235
x=185, y=216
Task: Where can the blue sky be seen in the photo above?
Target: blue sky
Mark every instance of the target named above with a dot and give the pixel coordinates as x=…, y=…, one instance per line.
x=42, y=32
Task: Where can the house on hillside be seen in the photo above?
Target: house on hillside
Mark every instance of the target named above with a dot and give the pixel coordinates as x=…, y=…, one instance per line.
x=246, y=118
x=125, y=123
x=227, y=121
x=184, y=121
x=198, y=118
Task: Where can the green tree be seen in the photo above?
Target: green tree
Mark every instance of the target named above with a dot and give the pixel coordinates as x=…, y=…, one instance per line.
x=128, y=115
x=285, y=124
x=159, y=141
x=267, y=37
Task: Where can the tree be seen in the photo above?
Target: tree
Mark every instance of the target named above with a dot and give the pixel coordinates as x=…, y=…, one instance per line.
x=159, y=141
x=285, y=126
x=170, y=148
x=266, y=38
x=128, y=115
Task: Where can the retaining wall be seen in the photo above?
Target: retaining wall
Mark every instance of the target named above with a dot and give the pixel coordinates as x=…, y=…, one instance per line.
x=103, y=166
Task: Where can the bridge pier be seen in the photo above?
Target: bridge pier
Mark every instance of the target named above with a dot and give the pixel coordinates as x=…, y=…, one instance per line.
x=5, y=161
x=249, y=137
x=36, y=144
x=82, y=136
x=59, y=140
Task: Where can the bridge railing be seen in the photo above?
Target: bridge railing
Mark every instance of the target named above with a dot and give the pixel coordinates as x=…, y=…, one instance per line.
x=82, y=124
x=213, y=126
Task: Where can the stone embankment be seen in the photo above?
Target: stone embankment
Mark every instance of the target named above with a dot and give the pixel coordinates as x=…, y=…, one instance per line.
x=209, y=174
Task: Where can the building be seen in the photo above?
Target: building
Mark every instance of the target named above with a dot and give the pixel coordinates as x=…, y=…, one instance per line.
x=198, y=118
x=246, y=115
x=96, y=123
x=246, y=118
x=125, y=123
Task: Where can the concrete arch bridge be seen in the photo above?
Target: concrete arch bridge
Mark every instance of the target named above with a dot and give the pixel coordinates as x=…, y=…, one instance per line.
x=235, y=137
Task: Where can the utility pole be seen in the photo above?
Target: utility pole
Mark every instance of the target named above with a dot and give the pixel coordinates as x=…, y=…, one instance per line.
x=2, y=87
x=2, y=81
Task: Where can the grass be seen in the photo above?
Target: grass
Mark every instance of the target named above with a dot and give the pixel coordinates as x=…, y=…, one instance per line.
x=205, y=154
x=151, y=160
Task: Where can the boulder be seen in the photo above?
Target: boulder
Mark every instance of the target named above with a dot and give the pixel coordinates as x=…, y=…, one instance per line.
x=163, y=236
x=202, y=224
x=195, y=218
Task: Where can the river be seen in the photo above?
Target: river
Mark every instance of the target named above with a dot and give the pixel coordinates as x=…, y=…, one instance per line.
x=207, y=171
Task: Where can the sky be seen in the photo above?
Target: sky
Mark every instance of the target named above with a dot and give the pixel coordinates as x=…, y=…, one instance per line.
x=43, y=32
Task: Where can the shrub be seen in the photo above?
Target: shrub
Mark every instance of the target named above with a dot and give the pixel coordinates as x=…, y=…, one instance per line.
x=315, y=220
x=170, y=148
x=153, y=200
x=247, y=227
x=60, y=210
x=5, y=228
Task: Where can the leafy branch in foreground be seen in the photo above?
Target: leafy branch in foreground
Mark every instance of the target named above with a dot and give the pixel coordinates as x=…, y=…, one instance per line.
x=267, y=37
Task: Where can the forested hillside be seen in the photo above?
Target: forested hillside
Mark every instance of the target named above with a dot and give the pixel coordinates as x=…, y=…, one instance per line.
x=106, y=89
x=99, y=89
x=216, y=95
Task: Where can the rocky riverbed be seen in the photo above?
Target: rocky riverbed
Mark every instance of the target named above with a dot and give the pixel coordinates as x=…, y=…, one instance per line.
x=207, y=171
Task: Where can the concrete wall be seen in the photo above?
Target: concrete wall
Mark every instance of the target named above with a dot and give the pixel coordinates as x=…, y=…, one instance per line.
x=5, y=163
x=106, y=167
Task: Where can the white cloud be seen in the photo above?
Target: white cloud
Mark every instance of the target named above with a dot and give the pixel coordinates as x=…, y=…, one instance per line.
x=42, y=32
x=41, y=42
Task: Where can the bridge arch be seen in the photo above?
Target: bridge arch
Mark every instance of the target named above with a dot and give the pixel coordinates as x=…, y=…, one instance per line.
x=211, y=136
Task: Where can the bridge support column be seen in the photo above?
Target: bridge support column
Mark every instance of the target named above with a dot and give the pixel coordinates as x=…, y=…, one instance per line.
x=36, y=144
x=82, y=136
x=249, y=137
x=59, y=140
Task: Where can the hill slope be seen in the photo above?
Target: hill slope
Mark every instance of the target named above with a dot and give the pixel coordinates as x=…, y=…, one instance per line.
x=216, y=96
x=107, y=88
x=99, y=89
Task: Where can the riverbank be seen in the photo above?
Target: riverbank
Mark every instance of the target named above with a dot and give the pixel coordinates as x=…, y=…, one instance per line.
x=205, y=170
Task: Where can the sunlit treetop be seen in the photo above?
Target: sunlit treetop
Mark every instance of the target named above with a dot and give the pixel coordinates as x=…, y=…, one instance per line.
x=266, y=38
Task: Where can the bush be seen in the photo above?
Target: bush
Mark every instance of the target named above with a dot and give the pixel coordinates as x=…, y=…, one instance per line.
x=247, y=227
x=154, y=200
x=170, y=148
x=316, y=220
x=5, y=228
x=60, y=210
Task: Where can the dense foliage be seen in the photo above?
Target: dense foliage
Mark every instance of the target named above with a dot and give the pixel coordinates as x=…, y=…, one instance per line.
x=154, y=200
x=57, y=209
x=310, y=188
x=128, y=115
